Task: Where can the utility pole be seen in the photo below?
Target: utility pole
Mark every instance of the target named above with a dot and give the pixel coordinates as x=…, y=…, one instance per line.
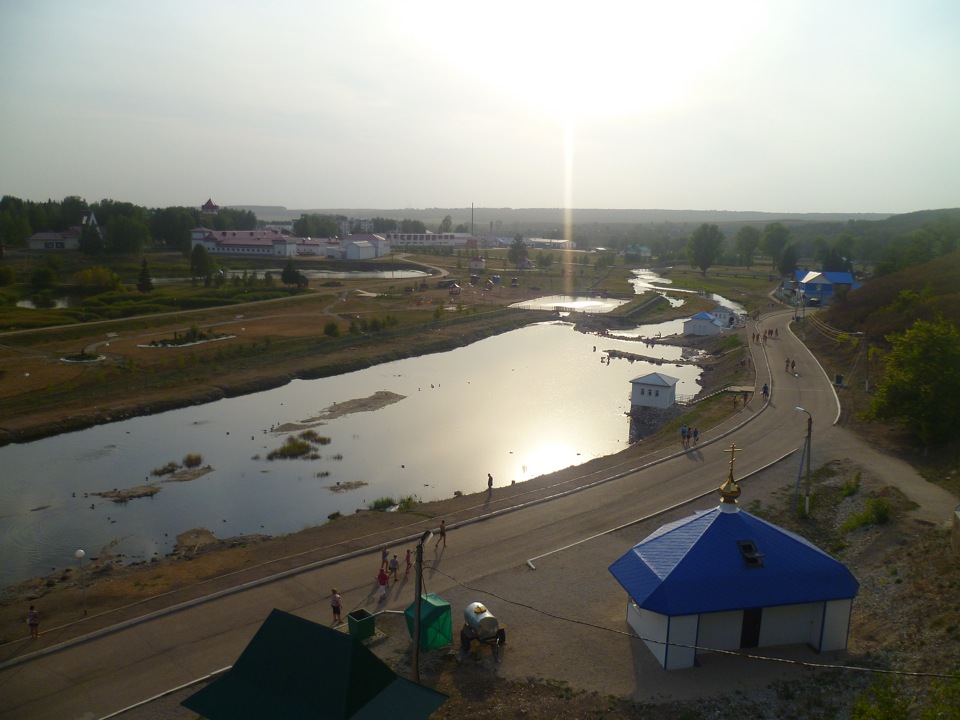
x=415, y=670
x=806, y=500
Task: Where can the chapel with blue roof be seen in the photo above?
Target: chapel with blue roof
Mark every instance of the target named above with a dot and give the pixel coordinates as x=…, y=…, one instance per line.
x=724, y=579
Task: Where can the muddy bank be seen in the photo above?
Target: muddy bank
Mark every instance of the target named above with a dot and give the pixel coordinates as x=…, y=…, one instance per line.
x=94, y=408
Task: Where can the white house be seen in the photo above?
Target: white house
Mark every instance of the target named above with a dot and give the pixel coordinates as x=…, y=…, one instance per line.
x=477, y=265
x=725, y=315
x=251, y=243
x=65, y=240
x=653, y=390
x=360, y=250
x=724, y=579
x=703, y=323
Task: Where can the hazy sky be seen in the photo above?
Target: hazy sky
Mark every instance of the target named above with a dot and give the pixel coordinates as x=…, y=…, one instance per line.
x=801, y=106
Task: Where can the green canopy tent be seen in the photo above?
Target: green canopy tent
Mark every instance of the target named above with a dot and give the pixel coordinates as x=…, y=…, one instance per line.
x=436, y=628
x=295, y=669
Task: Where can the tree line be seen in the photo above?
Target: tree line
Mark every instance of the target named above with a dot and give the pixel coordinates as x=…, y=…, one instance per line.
x=842, y=252
x=123, y=226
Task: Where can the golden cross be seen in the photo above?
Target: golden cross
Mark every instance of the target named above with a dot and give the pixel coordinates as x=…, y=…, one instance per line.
x=733, y=450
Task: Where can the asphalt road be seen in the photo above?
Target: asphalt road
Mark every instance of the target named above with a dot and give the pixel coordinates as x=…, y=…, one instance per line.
x=110, y=670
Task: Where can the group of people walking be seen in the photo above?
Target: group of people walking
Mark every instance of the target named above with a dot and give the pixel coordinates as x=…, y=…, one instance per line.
x=761, y=337
x=389, y=568
x=689, y=436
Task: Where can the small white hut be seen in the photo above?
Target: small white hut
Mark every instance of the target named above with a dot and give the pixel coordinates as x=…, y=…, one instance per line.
x=724, y=580
x=653, y=390
x=726, y=316
x=703, y=323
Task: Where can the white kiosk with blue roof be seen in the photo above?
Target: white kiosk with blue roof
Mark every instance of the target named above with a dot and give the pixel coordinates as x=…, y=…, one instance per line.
x=724, y=579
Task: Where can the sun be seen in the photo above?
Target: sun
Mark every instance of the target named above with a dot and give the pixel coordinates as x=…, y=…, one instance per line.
x=575, y=61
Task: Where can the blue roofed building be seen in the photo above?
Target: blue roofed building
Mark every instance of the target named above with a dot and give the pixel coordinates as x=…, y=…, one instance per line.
x=812, y=287
x=703, y=323
x=724, y=579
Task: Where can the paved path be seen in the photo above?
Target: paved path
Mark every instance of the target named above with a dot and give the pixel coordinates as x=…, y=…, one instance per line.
x=486, y=559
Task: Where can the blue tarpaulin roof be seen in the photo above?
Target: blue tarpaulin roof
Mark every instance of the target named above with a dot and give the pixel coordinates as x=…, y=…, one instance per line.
x=696, y=565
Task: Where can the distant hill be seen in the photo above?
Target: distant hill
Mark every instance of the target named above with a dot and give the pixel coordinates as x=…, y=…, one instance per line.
x=892, y=304
x=554, y=217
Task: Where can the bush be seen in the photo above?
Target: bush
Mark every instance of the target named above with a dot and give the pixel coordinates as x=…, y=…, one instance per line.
x=192, y=460
x=293, y=447
x=381, y=504
x=878, y=511
x=168, y=469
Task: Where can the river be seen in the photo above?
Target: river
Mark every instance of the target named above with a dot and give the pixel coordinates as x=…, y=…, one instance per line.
x=517, y=405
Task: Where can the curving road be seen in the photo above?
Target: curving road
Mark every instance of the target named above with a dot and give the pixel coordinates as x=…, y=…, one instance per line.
x=568, y=537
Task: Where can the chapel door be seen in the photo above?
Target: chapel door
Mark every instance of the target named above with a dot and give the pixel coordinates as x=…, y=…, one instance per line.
x=750, y=629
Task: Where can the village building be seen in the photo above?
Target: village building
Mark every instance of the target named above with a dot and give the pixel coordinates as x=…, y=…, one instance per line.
x=68, y=239
x=271, y=242
x=703, y=323
x=725, y=315
x=477, y=265
x=653, y=390
x=811, y=287
x=724, y=579
x=430, y=239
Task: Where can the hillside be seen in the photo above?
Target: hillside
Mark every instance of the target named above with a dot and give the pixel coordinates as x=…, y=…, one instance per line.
x=891, y=304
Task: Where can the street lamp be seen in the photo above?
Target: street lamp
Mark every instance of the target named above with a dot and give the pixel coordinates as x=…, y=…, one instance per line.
x=806, y=500
x=79, y=555
x=415, y=670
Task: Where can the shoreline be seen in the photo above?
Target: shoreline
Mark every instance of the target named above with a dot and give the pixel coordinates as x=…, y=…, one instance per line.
x=361, y=522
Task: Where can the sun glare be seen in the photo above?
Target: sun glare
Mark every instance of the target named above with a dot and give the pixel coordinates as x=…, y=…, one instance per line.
x=585, y=60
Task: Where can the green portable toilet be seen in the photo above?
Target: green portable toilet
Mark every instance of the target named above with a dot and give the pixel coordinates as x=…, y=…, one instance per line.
x=436, y=628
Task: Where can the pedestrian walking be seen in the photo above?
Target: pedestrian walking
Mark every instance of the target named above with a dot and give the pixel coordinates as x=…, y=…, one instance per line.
x=336, y=603
x=489, y=484
x=33, y=620
x=441, y=534
x=683, y=436
x=395, y=568
x=409, y=562
x=383, y=580
x=384, y=557
x=746, y=396
x=766, y=391
x=696, y=435
x=793, y=365
x=786, y=364
x=776, y=333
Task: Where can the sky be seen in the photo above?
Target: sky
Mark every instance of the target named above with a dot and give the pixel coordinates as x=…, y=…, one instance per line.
x=792, y=106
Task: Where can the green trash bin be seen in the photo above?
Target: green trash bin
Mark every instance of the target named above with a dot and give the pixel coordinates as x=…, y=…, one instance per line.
x=838, y=379
x=361, y=624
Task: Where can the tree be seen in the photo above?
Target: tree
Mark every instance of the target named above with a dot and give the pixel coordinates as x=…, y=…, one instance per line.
x=705, y=246
x=788, y=260
x=518, y=251
x=316, y=226
x=412, y=226
x=290, y=275
x=201, y=264
x=775, y=238
x=921, y=387
x=127, y=235
x=97, y=278
x=446, y=224
x=91, y=240
x=144, y=281
x=747, y=242
x=171, y=226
